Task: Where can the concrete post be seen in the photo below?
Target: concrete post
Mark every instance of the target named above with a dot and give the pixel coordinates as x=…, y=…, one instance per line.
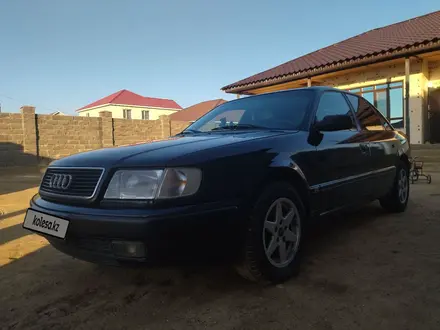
x=107, y=138
x=165, y=126
x=415, y=101
x=407, y=86
x=29, y=126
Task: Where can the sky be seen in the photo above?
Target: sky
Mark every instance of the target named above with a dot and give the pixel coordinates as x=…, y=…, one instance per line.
x=60, y=55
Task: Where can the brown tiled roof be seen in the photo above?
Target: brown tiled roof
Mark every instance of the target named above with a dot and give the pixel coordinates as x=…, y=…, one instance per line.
x=420, y=32
x=196, y=111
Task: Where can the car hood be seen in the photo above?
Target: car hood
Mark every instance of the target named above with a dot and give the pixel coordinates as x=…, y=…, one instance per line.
x=162, y=152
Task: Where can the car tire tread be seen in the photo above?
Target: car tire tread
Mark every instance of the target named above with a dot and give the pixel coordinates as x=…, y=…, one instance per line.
x=391, y=202
x=251, y=265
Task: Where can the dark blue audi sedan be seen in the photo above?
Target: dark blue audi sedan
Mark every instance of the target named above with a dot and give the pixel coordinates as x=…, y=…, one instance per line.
x=249, y=176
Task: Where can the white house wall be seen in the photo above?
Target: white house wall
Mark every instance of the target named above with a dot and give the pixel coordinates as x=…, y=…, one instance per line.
x=136, y=111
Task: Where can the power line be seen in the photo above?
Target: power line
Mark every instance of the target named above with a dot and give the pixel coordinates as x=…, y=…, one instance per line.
x=22, y=103
x=8, y=97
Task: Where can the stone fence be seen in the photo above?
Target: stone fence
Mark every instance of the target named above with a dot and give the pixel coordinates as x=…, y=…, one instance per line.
x=30, y=139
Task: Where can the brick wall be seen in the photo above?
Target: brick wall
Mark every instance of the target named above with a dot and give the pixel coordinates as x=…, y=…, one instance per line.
x=30, y=139
x=11, y=128
x=11, y=139
x=178, y=126
x=60, y=136
x=133, y=131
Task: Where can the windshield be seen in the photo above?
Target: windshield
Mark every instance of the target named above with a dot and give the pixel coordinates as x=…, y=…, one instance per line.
x=283, y=110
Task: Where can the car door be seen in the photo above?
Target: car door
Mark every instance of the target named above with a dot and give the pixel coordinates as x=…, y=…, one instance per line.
x=342, y=157
x=384, y=146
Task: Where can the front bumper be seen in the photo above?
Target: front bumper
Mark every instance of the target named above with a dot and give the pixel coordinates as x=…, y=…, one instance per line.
x=165, y=233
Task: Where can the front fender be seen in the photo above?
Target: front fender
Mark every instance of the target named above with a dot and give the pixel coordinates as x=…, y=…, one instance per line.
x=285, y=161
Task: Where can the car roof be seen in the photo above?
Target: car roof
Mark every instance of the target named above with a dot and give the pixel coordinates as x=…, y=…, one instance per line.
x=312, y=88
x=319, y=88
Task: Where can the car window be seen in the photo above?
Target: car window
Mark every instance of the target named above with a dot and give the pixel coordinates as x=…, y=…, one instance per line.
x=368, y=117
x=282, y=110
x=227, y=118
x=331, y=104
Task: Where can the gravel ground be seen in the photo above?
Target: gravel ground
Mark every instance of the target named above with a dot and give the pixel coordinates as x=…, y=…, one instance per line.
x=363, y=269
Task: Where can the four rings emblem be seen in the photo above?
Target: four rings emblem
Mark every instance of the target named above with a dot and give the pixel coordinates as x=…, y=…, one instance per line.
x=60, y=181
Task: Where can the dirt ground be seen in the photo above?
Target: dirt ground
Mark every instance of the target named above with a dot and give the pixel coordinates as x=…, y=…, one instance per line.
x=363, y=269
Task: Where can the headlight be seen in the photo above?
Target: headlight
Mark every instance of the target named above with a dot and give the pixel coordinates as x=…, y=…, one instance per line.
x=178, y=182
x=151, y=184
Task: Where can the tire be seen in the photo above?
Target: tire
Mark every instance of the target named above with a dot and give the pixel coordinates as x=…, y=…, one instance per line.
x=266, y=231
x=397, y=200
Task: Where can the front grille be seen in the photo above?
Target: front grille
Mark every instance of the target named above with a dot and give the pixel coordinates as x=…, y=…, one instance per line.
x=84, y=182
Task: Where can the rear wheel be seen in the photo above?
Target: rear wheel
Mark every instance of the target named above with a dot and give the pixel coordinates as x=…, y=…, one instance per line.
x=273, y=237
x=397, y=199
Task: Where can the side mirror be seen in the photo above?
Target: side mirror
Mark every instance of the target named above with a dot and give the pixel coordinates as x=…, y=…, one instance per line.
x=334, y=123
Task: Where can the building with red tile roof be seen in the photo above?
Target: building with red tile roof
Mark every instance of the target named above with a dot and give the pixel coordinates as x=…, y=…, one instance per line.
x=195, y=111
x=129, y=105
x=395, y=67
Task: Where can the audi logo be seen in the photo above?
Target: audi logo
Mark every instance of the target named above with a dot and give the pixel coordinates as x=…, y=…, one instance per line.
x=60, y=181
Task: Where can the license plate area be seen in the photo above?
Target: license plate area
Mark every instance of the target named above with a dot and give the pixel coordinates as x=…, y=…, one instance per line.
x=45, y=223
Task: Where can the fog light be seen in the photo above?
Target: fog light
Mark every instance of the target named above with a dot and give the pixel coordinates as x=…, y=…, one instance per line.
x=128, y=249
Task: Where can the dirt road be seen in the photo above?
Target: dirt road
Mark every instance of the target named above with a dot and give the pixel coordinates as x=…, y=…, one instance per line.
x=362, y=270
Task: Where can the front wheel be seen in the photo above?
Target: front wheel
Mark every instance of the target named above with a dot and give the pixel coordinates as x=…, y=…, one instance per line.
x=397, y=199
x=273, y=238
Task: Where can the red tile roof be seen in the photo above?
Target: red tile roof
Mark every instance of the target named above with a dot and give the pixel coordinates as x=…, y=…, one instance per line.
x=129, y=98
x=419, y=31
x=196, y=111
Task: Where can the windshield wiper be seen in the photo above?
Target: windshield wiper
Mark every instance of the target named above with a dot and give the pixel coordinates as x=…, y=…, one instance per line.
x=239, y=126
x=188, y=132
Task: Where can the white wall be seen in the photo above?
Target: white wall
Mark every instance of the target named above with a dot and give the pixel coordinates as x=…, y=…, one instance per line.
x=136, y=111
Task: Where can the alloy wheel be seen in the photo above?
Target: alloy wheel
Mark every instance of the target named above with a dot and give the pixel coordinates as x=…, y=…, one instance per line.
x=281, y=232
x=403, y=186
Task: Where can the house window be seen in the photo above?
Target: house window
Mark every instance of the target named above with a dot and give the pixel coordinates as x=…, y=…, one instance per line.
x=387, y=98
x=87, y=114
x=145, y=114
x=127, y=114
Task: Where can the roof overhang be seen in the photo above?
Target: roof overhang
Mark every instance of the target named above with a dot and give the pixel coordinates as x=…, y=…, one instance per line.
x=337, y=66
x=128, y=106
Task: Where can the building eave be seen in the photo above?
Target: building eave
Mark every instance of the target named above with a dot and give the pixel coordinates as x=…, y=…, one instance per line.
x=337, y=66
x=92, y=108
x=126, y=105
